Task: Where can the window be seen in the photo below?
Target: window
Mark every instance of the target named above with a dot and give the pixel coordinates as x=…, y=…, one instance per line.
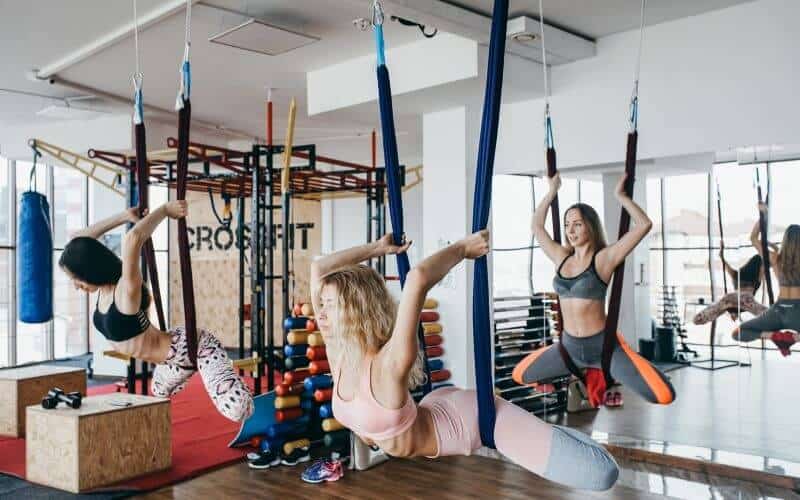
x=511, y=236
x=5, y=202
x=783, y=199
x=70, y=325
x=6, y=288
x=514, y=199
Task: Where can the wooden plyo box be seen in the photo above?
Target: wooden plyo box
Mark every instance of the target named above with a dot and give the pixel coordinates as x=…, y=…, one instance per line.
x=22, y=387
x=98, y=444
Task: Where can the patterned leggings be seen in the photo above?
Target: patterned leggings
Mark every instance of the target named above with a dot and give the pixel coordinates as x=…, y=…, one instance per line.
x=228, y=391
x=730, y=301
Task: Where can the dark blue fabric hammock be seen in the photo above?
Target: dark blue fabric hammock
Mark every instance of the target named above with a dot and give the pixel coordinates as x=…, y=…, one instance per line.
x=482, y=204
x=393, y=187
x=481, y=327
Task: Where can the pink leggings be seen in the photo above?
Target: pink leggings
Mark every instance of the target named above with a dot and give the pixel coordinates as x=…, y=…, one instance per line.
x=553, y=452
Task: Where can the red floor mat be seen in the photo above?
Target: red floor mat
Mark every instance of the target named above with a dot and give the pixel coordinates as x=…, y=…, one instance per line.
x=200, y=437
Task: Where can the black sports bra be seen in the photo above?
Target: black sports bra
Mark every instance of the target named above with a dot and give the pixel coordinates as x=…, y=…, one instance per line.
x=119, y=327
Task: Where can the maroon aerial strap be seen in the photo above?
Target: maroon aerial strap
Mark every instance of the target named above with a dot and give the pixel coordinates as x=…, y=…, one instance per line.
x=187, y=283
x=762, y=225
x=612, y=319
x=148, y=252
x=552, y=170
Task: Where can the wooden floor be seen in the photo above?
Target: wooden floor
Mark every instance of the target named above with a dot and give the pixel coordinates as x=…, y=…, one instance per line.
x=443, y=478
x=752, y=410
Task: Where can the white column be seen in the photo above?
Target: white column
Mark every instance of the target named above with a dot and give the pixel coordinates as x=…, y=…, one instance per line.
x=450, y=142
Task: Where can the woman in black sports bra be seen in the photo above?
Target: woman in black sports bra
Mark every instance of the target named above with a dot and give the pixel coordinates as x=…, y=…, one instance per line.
x=585, y=266
x=121, y=314
x=746, y=281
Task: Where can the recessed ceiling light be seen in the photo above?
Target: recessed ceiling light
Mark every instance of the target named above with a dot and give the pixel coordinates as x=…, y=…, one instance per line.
x=525, y=37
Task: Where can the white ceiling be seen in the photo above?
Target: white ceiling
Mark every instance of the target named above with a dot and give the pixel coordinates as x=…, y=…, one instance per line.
x=229, y=84
x=598, y=18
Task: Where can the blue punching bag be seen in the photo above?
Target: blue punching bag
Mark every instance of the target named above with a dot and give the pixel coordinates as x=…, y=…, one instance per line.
x=34, y=259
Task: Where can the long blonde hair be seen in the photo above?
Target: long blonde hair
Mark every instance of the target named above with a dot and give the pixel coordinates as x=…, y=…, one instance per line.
x=592, y=220
x=367, y=314
x=789, y=256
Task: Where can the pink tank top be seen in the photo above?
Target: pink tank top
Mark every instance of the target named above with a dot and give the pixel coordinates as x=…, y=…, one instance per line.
x=366, y=417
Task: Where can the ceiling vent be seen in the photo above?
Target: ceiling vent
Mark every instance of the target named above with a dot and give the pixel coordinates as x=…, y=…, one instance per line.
x=257, y=36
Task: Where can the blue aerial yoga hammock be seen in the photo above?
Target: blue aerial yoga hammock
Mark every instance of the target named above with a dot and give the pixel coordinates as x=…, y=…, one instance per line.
x=481, y=327
x=392, y=162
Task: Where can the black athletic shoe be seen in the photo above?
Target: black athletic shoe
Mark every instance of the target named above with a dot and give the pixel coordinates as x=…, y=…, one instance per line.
x=297, y=456
x=265, y=460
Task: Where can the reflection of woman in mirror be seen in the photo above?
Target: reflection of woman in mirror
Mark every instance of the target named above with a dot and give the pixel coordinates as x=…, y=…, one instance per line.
x=785, y=313
x=585, y=266
x=746, y=280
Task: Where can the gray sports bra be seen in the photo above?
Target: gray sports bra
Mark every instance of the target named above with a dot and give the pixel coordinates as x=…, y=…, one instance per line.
x=586, y=285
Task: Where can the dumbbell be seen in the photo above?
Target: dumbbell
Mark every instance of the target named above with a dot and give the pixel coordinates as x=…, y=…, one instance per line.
x=56, y=395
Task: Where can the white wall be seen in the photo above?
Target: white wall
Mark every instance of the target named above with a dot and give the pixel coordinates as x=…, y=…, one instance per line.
x=109, y=132
x=446, y=193
x=723, y=79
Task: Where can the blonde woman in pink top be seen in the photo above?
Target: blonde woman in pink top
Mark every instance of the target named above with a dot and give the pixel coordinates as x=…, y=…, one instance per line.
x=375, y=359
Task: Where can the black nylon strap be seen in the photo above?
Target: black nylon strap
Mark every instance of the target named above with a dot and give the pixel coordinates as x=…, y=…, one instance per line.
x=187, y=283
x=148, y=252
x=612, y=319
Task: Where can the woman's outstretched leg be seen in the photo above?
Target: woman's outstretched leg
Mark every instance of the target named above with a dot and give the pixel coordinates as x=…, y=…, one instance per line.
x=553, y=452
x=228, y=391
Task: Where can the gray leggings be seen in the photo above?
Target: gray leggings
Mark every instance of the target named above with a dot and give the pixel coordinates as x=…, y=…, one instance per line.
x=628, y=367
x=783, y=315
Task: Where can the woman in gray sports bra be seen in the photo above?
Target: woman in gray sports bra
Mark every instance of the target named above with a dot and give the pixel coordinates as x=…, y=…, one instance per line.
x=785, y=313
x=585, y=266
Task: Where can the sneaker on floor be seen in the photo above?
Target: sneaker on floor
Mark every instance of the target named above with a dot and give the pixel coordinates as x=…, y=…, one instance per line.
x=297, y=456
x=323, y=470
x=253, y=455
x=265, y=460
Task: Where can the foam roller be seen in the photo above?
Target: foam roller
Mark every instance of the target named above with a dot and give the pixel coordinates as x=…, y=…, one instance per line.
x=336, y=439
x=311, y=325
x=323, y=395
x=440, y=375
x=319, y=367
x=34, y=259
x=435, y=364
x=289, y=390
x=315, y=339
x=326, y=410
x=431, y=328
x=318, y=382
x=434, y=351
x=316, y=353
x=298, y=323
x=285, y=428
x=295, y=377
x=429, y=316
x=306, y=310
x=331, y=424
x=288, y=414
x=293, y=445
x=297, y=337
x=296, y=362
x=432, y=340
x=290, y=401
x=294, y=350
x=430, y=304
